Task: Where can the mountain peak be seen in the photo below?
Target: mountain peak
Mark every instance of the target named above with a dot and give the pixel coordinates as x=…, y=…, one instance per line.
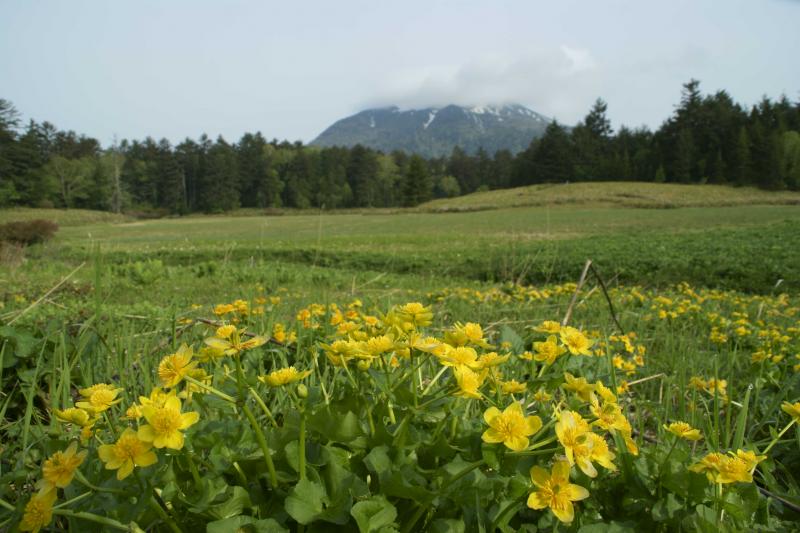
x=435, y=131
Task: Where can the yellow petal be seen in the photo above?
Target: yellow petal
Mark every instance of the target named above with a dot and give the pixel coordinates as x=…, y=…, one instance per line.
x=534, y=424
x=537, y=501
x=189, y=419
x=561, y=471
x=540, y=477
x=577, y=493
x=146, y=459
x=517, y=443
x=146, y=433
x=490, y=414
x=566, y=514
x=125, y=470
x=492, y=436
x=174, y=440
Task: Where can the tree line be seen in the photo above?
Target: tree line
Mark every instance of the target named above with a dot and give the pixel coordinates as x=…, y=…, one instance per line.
x=707, y=139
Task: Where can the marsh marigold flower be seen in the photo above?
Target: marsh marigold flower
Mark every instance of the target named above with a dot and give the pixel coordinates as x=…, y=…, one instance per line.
x=576, y=342
x=284, y=376
x=127, y=452
x=579, y=386
x=683, y=431
x=59, y=469
x=38, y=511
x=513, y=386
x=173, y=368
x=468, y=382
x=548, y=350
x=792, y=409
x=229, y=341
x=165, y=424
x=571, y=430
x=554, y=491
x=416, y=314
x=98, y=398
x=548, y=326
x=511, y=427
x=73, y=415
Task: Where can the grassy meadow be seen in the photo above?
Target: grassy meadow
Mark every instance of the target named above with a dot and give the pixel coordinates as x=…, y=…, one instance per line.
x=435, y=369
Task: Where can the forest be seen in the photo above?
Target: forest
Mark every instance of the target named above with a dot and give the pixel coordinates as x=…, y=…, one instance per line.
x=709, y=138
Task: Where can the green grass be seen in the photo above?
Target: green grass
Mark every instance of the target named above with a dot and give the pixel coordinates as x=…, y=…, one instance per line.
x=615, y=194
x=62, y=217
x=124, y=289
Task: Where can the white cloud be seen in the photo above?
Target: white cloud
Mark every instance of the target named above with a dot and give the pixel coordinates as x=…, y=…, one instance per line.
x=555, y=81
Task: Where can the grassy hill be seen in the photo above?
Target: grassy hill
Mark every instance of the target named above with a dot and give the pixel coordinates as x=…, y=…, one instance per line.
x=615, y=194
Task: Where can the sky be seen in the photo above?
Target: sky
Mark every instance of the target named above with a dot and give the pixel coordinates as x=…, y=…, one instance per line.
x=180, y=68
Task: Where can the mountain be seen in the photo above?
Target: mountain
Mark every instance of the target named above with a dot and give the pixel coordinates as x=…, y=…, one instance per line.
x=435, y=131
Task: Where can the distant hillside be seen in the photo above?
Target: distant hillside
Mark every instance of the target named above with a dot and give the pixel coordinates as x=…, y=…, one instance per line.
x=435, y=131
x=616, y=194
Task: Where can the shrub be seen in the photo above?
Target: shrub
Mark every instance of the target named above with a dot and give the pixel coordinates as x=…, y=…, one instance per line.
x=28, y=232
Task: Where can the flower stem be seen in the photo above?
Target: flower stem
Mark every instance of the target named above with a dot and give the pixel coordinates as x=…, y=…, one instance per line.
x=778, y=437
x=212, y=390
x=262, y=443
x=158, y=505
x=263, y=406
x=91, y=517
x=301, y=451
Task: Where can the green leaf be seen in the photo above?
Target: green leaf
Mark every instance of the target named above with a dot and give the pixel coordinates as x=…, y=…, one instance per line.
x=238, y=500
x=306, y=501
x=245, y=524
x=373, y=514
x=447, y=525
x=378, y=461
x=608, y=527
x=741, y=421
x=509, y=335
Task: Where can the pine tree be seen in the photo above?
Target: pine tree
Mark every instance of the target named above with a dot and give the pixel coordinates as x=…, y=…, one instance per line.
x=418, y=185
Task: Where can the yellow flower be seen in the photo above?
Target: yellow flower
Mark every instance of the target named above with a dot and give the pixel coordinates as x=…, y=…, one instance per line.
x=468, y=382
x=38, y=511
x=375, y=346
x=492, y=359
x=173, y=368
x=732, y=468
x=792, y=409
x=284, y=376
x=341, y=351
x=609, y=417
x=166, y=423
x=233, y=344
x=73, y=415
x=461, y=357
x=127, y=452
x=134, y=412
x=571, y=429
x=99, y=398
x=416, y=314
x=548, y=351
x=513, y=387
x=579, y=386
x=542, y=396
x=576, y=342
x=548, y=326
x=555, y=491
x=683, y=431
x=511, y=427
x=59, y=469
x=157, y=398
x=750, y=458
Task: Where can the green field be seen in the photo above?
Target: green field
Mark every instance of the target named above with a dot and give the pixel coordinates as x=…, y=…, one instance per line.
x=707, y=290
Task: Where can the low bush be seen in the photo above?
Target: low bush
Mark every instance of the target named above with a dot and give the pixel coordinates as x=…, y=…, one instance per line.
x=27, y=232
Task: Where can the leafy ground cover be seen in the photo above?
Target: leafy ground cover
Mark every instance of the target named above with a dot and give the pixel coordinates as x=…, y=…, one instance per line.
x=406, y=372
